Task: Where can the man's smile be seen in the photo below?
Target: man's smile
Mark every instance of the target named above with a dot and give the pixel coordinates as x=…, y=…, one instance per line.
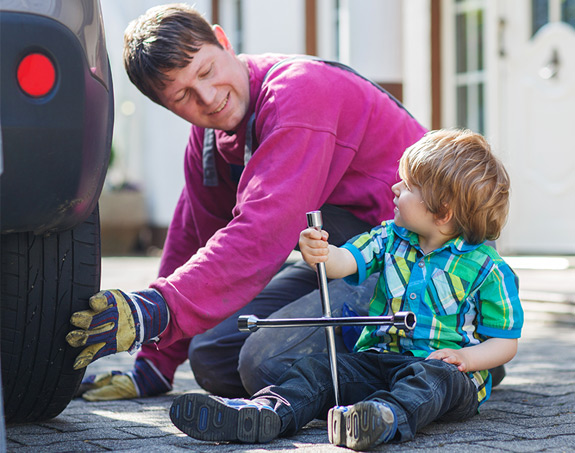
x=221, y=106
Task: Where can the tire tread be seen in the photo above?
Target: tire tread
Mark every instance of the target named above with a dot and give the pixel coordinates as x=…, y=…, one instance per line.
x=44, y=279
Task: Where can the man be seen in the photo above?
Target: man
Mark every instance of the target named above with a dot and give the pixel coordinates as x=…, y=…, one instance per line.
x=271, y=138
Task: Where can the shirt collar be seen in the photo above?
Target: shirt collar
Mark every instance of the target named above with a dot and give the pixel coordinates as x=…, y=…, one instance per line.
x=457, y=245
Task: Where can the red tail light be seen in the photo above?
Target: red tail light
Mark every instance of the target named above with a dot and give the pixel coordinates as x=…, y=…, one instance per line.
x=36, y=75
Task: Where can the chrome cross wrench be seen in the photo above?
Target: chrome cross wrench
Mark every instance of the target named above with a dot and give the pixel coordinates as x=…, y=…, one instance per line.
x=314, y=220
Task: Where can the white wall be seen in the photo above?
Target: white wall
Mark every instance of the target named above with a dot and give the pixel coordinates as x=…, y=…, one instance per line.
x=327, y=17
x=417, y=59
x=370, y=39
x=149, y=141
x=273, y=26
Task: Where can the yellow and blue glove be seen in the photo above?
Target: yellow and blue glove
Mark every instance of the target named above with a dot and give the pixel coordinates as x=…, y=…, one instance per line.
x=143, y=380
x=116, y=322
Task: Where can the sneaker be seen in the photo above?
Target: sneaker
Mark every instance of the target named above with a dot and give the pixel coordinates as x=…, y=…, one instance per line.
x=209, y=417
x=362, y=425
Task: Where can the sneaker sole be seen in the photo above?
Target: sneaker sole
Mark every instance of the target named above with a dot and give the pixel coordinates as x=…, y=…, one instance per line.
x=203, y=417
x=358, y=427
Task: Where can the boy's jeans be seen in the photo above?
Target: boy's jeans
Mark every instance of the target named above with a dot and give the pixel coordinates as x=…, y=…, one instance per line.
x=214, y=354
x=269, y=352
x=419, y=391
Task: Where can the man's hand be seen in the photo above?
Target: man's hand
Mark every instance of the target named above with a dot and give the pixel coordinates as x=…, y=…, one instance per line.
x=110, y=386
x=115, y=322
x=143, y=380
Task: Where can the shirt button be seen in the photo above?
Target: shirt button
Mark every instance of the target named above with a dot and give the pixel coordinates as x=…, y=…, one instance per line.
x=421, y=264
x=412, y=296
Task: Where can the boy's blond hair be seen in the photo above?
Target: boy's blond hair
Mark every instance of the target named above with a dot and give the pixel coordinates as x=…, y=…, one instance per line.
x=456, y=170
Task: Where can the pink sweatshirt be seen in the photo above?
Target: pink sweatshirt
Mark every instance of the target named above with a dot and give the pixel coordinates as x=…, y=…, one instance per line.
x=325, y=136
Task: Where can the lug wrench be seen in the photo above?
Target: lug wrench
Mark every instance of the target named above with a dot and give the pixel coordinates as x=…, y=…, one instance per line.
x=404, y=320
x=315, y=220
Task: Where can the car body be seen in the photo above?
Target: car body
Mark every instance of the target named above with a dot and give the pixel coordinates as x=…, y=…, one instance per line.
x=55, y=144
x=56, y=118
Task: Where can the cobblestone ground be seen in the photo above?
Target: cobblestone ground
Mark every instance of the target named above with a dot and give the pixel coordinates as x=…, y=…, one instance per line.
x=533, y=410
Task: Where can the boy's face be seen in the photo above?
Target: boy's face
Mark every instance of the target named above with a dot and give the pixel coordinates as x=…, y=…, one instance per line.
x=212, y=91
x=410, y=211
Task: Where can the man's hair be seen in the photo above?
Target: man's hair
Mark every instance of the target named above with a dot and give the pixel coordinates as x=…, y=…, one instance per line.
x=456, y=170
x=162, y=39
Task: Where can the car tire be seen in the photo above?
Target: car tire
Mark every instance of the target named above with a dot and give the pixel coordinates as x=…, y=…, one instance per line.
x=44, y=279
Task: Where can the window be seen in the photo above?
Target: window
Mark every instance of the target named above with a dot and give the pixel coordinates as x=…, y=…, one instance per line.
x=545, y=11
x=470, y=77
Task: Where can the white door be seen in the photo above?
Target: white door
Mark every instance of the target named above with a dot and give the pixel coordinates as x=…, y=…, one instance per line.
x=537, y=130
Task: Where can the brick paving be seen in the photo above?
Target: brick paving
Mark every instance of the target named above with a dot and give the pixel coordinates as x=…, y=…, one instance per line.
x=533, y=410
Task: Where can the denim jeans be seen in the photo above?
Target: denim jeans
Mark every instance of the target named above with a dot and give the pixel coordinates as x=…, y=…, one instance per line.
x=419, y=391
x=269, y=352
x=215, y=354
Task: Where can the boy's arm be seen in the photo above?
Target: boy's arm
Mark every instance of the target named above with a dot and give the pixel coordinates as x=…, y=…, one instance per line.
x=489, y=354
x=339, y=262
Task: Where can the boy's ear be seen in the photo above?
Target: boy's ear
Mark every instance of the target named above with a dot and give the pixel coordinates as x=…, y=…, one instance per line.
x=445, y=218
x=222, y=37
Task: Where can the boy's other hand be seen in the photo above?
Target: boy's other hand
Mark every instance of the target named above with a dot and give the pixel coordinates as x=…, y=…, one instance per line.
x=492, y=353
x=453, y=356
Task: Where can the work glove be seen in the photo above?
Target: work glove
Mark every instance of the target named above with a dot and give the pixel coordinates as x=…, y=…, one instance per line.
x=117, y=322
x=144, y=380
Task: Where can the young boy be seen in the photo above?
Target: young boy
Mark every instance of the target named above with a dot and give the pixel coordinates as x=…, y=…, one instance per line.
x=453, y=196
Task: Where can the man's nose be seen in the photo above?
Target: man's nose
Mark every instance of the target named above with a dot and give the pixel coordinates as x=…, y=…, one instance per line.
x=205, y=93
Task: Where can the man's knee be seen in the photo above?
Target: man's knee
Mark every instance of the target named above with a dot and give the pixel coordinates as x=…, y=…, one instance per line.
x=253, y=370
x=215, y=369
x=204, y=372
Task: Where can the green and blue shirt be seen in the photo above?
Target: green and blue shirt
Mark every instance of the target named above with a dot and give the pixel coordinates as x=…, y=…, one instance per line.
x=462, y=294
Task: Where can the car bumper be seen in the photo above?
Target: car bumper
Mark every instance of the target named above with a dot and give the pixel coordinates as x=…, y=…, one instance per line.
x=56, y=148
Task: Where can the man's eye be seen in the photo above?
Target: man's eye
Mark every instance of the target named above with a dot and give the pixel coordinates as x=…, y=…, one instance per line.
x=207, y=72
x=182, y=97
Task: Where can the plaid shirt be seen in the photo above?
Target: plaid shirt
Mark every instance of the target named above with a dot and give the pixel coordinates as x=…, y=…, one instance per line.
x=462, y=294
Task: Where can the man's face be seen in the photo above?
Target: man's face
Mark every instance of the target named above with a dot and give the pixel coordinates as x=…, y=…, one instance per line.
x=212, y=91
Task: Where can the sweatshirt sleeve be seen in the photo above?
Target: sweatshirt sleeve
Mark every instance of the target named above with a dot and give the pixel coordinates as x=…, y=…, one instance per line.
x=286, y=177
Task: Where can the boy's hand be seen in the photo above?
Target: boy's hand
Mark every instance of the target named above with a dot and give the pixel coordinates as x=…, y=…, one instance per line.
x=314, y=246
x=492, y=353
x=453, y=356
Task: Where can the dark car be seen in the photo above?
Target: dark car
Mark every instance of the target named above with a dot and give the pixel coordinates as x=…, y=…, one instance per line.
x=56, y=118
